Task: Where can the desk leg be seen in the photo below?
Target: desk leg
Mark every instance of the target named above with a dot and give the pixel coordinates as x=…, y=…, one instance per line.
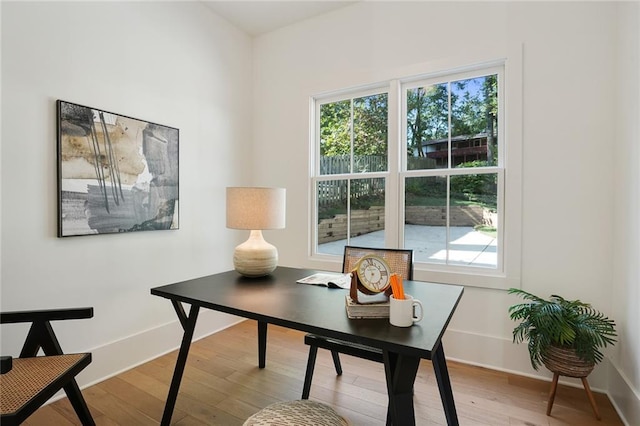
x=189, y=325
x=262, y=344
x=400, y=371
x=444, y=385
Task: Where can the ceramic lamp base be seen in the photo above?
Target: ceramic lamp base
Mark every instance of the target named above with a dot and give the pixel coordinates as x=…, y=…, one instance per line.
x=255, y=257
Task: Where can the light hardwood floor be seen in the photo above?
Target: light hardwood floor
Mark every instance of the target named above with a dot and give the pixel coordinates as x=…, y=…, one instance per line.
x=222, y=385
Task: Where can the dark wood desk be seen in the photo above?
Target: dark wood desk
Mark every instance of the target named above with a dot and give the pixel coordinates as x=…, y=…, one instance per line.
x=278, y=299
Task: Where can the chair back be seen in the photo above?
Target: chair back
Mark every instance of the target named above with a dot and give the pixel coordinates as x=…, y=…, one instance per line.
x=399, y=260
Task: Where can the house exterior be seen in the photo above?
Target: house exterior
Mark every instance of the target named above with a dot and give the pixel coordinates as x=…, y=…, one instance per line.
x=464, y=148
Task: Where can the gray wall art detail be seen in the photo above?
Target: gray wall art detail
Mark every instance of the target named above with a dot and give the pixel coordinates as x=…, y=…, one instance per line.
x=115, y=173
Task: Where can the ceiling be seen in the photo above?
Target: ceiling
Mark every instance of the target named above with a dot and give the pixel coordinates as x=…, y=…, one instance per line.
x=259, y=17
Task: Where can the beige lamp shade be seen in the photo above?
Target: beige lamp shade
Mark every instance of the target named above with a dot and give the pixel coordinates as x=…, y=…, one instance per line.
x=255, y=209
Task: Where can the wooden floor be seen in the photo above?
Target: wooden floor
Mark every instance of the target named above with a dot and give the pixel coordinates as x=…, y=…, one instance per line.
x=222, y=385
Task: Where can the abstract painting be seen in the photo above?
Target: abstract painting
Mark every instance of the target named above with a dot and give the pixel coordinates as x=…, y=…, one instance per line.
x=115, y=173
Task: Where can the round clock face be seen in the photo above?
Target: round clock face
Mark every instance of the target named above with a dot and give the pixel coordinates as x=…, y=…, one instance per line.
x=374, y=273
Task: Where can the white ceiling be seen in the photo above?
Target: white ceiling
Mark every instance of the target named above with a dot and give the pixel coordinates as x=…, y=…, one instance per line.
x=259, y=17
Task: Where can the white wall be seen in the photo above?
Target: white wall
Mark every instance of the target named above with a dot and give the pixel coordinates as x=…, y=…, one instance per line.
x=625, y=376
x=569, y=111
x=172, y=63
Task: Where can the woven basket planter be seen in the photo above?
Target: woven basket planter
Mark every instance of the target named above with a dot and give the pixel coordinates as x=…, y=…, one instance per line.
x=566, y=362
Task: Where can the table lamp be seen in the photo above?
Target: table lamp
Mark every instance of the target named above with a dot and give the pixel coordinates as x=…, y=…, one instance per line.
x=255, y=209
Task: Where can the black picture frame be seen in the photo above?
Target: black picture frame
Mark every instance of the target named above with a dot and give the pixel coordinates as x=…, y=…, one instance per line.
x=115, y=173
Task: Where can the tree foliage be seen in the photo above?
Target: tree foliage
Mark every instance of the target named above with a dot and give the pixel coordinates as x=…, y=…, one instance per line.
x=472, y=106
x=427, y=116
x=479, y=188
x=354, y=131
x=335, y=127
x=370, y=125
x=368, y=118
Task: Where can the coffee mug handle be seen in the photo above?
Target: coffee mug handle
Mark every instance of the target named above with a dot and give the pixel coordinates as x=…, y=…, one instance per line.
x=419, y=317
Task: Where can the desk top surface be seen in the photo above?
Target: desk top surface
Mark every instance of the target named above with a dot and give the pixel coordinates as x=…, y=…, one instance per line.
x=278, y=299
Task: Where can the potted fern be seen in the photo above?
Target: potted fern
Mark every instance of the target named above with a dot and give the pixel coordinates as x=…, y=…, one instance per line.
x=564, y=335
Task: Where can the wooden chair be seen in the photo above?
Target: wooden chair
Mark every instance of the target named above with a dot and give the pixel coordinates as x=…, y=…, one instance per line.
x=33, y=379
x=401, y=262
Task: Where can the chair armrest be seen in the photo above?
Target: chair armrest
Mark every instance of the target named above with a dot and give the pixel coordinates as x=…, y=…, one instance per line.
x=45, y=315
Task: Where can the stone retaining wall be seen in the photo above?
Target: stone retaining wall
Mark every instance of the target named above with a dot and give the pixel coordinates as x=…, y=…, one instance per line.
x=362, y=222
x=437, y=216
x=366, y=221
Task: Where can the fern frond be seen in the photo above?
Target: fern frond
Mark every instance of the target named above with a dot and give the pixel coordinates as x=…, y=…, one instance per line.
x=558, y=321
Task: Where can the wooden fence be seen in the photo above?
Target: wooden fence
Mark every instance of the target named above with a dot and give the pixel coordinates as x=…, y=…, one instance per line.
x=334, y=192
x=361, y=164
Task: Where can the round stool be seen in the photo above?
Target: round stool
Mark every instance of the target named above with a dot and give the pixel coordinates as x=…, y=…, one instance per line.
x=297, y=413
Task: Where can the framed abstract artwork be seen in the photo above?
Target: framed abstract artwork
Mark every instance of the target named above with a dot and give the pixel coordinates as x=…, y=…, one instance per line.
x=115, y=173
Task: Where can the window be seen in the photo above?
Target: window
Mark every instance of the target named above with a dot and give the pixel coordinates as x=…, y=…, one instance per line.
x=451, y=186
x=352, y=170
x=415, y=163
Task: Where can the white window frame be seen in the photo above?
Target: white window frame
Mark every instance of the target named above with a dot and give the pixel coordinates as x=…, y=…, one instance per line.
x=509, y=170
x=452, y=171
x=316, y=177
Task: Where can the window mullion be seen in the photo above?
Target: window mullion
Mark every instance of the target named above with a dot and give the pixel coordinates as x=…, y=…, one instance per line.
x=352, y=138
x=348, y=210
x=447, y=221
x=351, y=169
x=394, y=199
x=450, y=160
x=449, y=125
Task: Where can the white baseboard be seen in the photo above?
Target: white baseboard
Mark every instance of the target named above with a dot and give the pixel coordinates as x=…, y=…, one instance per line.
x=503, y=355
x=624, y=397
x=116, y=357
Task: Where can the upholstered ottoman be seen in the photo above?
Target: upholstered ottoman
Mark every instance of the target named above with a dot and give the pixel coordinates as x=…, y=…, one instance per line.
x=297, y=413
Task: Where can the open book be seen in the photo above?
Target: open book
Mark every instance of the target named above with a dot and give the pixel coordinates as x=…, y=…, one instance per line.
x=328, y=279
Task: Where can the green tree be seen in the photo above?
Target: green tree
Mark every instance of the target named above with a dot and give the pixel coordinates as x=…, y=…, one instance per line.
x=427, y=116
x=335, y=126
x=471, y=104
x=490, y=91
x=415, y=127
x=370, y=116
x=370, y=130
x=467, y=117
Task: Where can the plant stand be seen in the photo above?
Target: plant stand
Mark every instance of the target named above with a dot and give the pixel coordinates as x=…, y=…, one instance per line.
x=565, y=362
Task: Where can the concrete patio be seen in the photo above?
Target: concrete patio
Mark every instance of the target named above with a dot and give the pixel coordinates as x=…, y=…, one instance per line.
x=429, y=243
